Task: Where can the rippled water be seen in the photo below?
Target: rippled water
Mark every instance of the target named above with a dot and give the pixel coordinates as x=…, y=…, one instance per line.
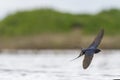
x=57, y=65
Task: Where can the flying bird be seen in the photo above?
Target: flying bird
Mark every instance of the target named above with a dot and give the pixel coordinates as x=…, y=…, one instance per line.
x=91, y=50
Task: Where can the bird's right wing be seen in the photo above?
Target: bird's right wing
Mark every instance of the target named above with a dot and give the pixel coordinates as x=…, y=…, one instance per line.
x=97, y=40
x=87, y=60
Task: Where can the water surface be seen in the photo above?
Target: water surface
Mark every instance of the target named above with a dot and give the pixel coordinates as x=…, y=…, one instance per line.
x=57, y=65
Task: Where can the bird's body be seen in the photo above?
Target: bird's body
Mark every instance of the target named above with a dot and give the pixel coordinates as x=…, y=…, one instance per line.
x=89, y=53
x=91, y=50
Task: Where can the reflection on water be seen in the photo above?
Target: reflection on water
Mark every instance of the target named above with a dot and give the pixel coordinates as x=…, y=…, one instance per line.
x=57, y=65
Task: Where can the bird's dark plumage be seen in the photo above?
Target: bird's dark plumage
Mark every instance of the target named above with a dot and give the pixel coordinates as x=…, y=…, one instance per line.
x=97, y=40
x=91, y=50
x=87, y=60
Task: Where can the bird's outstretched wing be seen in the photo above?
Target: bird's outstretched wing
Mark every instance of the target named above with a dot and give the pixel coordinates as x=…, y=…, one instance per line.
x=87, y=60
x=97, y=40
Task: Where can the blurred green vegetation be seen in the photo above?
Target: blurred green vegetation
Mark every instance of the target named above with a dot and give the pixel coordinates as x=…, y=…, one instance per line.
x=50, y=21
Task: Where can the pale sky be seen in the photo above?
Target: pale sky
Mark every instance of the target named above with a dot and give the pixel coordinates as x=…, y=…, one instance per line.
x=72, y=6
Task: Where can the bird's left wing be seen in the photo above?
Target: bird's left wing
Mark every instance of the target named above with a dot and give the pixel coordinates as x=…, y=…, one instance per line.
x=97, y=40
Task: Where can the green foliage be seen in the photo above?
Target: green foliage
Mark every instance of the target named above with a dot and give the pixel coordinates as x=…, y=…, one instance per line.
x=51, y=21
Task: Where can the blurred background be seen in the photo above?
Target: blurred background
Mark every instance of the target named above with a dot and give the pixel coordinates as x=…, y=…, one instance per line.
x=39, y=38
x=58, y=24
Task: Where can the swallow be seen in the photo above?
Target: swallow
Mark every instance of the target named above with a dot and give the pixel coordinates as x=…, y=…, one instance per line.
x=91, y=50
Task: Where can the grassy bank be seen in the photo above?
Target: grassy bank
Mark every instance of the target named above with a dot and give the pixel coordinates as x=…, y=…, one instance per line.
x=47, y=28
x=36, y=22
x=57, y=41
